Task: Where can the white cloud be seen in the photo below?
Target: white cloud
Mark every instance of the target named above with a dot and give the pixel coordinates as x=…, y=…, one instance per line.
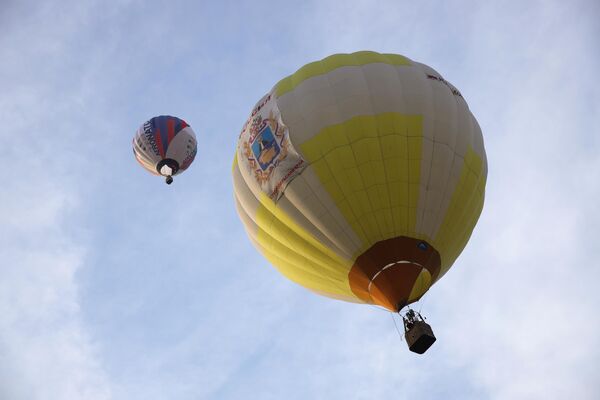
x=46, y=351
x=108, y=293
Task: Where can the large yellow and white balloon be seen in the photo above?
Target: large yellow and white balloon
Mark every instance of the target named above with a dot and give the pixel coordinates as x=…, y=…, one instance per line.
x=361, y=177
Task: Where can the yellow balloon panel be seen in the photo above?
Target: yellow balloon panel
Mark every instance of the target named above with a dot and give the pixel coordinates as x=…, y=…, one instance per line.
x=375, y=200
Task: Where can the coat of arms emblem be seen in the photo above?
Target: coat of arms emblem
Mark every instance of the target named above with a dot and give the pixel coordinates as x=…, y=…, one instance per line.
x=266, y=150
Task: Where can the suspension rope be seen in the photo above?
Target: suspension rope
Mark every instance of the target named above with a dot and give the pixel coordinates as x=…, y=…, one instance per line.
x=396, y=325
x=422, y=301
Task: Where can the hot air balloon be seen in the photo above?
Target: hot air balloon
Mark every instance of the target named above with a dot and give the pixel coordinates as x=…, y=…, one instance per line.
x=361, y=178
x=165, y=145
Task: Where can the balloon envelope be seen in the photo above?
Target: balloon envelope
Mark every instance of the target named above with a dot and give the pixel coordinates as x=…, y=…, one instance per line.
x=361, y=177
x=165, y=145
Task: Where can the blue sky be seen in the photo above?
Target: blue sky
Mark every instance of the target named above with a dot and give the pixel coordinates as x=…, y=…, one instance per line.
x=115, y=286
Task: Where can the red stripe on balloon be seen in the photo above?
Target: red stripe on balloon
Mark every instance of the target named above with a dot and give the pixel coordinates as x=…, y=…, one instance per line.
x=159, y=143
x=170, y=130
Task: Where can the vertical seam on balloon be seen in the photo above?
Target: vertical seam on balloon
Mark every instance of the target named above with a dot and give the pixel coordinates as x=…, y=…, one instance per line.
x=317, y=197
x=439, y=218
x=354, y=155
x=428, y=84
x=170, y=131
x=372, y=209
x=468, y=208
x=447, y=180
x=349, y=144
x=449, y=256
x=380, y=137
x=377, y=124
x=406, y=184
x=425, y=185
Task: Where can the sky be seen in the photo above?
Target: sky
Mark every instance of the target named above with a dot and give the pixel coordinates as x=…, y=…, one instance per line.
x=116, y=286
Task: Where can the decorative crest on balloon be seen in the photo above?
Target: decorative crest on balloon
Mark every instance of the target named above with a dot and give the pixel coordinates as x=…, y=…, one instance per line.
x=266, y=150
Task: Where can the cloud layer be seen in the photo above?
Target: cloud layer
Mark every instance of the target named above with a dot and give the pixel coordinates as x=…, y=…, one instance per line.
x=115, y=288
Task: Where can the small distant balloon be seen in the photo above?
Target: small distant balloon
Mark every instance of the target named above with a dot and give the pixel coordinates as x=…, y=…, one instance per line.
x=165, y=146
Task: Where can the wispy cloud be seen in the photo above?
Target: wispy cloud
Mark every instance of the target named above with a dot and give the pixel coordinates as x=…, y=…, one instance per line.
x=113, y=287
x=46, y=351
x=45, y=348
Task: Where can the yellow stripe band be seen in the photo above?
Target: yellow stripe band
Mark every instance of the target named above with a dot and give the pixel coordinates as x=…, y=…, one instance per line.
x=296, y=250
x=464, y=210
x=333, y=62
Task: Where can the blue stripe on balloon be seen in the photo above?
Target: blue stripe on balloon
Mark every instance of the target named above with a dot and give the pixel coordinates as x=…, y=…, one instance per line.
x=161, y=123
